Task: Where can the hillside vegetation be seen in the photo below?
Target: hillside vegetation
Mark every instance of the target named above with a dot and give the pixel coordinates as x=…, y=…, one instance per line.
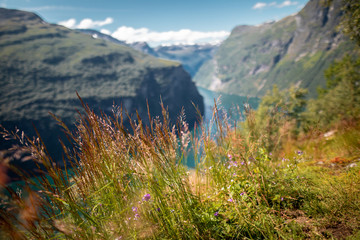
x=292, y=51
x=42, y=66
x=283, y=173
x=135, y=186
x=291, y=170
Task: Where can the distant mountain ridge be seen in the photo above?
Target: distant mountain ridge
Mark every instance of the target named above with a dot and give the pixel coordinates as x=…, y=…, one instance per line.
x=42, y=65
x=190, y=56
x=293, y=51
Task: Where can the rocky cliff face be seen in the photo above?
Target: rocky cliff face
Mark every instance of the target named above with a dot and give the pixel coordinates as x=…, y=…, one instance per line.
x=43, y=65
x=295, y=50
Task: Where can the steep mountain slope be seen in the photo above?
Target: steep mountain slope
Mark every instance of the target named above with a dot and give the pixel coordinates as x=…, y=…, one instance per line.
x=43, y=65
x=294, y=50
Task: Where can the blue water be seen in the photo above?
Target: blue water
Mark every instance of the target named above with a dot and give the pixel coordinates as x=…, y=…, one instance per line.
x=228, y=102
x=229, y=106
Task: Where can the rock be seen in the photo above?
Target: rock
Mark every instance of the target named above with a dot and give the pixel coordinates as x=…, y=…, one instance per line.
x=351, y=165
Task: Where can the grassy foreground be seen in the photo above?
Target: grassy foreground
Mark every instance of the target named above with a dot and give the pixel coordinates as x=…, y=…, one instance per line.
x=135, y=184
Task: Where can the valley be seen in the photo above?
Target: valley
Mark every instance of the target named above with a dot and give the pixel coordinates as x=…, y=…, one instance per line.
x=253, y=138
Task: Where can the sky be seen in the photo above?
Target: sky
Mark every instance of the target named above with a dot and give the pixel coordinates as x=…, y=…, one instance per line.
x=160, y=22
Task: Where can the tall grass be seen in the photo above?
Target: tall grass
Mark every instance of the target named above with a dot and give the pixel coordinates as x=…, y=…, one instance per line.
x=133, y=183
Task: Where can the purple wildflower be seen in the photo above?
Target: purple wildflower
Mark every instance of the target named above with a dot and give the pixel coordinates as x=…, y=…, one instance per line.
x=136, y=216
x=146, y=197
x=230, y=200
x=282, y=199
x=158, y=209
x=134, y=209
x=299, y=152
x=232, y=164
x=229, y=156
x=216, y=214
x=242, y=193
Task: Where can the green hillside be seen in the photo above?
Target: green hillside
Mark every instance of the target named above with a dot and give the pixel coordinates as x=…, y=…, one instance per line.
x=293, y=51
x=43, y=65
x=288, y=170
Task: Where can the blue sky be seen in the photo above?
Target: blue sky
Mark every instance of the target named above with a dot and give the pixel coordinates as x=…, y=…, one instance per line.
x=159, y=21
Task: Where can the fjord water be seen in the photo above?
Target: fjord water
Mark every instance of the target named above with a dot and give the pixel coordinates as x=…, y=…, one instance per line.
x=230, y=103
x=230, y=106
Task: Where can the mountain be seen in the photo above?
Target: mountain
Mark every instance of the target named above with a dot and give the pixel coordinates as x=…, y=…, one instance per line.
x=144, y=48
x=295, y=50
x=43, y=65
x=96, y=34
x=191, y=57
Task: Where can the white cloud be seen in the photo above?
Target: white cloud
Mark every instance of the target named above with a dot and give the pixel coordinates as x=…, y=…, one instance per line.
x=259, y=5
x=71, y=23
x=105, y=31
x=89, y=23
x=286, y=3
x=272, y=4
x=183, y=36
x=86, y=23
